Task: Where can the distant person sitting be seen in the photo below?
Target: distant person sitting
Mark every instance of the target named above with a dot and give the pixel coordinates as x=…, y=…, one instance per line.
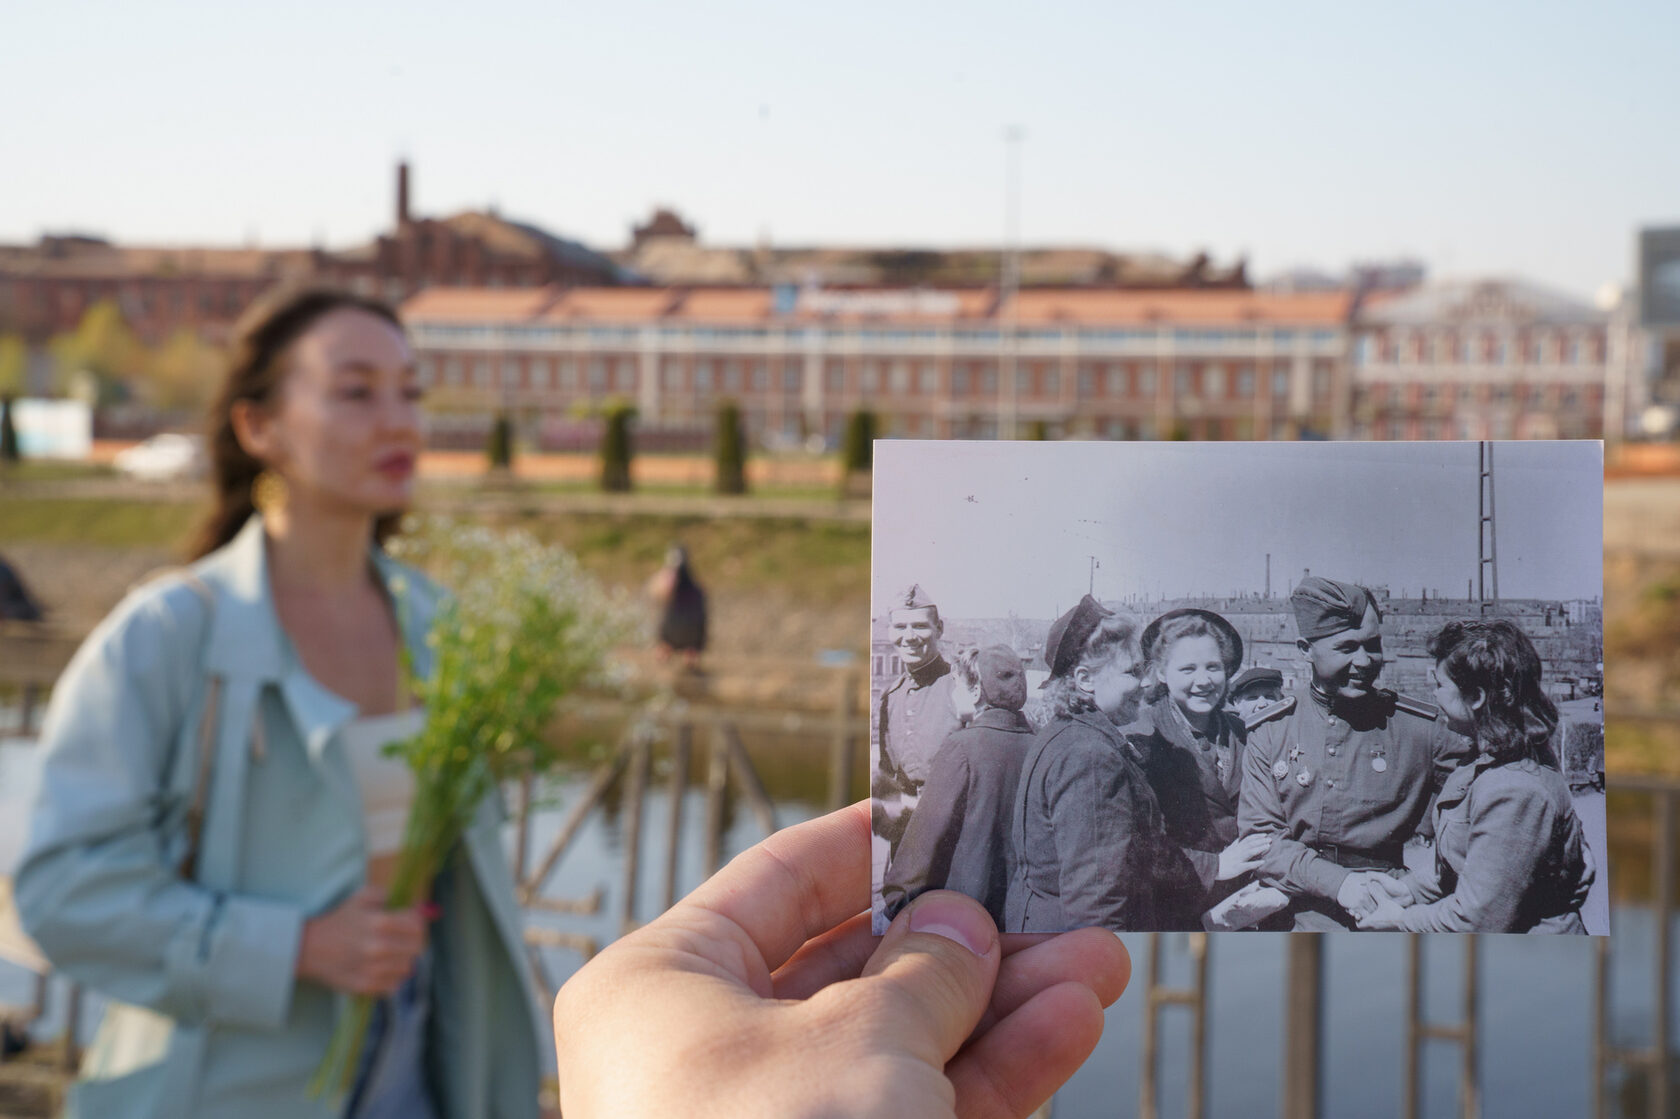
x=682, y=618
x=958, y=838
x=16, y=603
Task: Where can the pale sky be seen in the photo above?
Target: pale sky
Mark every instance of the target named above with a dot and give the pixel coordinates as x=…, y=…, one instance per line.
x=992, y=527
x=1508, y=138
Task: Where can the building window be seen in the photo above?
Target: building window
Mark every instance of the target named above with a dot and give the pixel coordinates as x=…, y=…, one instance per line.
x=871, y=377
x=1321, y=382
x=1023, y=382
x=928, y=380
x=1053, y=383
x=989, y=381
x=481, y=372
x=1146, y=382
x=1280, y=381
x=568, y=374
x=959, y=381
x=900, y=377
x=760, y=377
x=732, y=373
x=1245, y=381
x=671, y=375
x=703, y=375
x=836, y=377
x=1181, y=381
x=510, y=372
x=597, y=374
x=1213, y=382
x=1087, y=382
x=791, y=378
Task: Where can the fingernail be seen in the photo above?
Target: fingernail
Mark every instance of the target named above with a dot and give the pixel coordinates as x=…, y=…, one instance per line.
x=431, y=911
x=954, y=919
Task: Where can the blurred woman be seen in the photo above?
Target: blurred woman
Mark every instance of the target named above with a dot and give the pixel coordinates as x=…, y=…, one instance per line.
x=217, y=824
x=1510, y=855
x=1089, y=839
x=682, y=609
x=1192, y=751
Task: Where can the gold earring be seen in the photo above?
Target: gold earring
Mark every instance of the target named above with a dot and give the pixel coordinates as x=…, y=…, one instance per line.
x=268, y=492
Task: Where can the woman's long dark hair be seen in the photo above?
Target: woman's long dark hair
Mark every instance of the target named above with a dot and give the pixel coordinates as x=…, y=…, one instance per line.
x=1497, y=660
x=256, y=367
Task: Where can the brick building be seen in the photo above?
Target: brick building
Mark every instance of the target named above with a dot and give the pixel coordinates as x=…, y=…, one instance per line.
x=931, y=363
x=1482, y=359
x=45, y=288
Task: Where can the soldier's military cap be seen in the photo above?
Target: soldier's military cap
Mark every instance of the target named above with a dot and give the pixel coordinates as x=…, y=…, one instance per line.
x=912, y=598
x=1003, y=683
x=1069, y=633
x=1249, y=677
x=1324, y=606
x=1233, y=639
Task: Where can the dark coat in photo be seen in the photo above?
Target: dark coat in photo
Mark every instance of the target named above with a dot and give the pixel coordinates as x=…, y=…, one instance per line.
x=1342, y=786
x=1090, y=838
x=1197, y=782
x=958, y=837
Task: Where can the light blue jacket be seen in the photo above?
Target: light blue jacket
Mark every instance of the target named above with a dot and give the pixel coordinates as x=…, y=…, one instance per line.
x=206, y=1017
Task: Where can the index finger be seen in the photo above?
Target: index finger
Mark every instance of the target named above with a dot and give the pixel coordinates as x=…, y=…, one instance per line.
x=795, y=885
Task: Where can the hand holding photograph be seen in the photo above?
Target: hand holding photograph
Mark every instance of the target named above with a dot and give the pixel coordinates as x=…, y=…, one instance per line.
x=1223, y=686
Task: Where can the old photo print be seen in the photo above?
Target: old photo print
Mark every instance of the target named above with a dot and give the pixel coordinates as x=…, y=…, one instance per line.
x=1229, y=686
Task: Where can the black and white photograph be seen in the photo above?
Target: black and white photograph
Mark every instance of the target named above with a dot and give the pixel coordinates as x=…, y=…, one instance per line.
x=1241, y=686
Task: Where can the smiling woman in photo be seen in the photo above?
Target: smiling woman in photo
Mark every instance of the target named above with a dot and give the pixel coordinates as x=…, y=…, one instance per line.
x=1192, y=751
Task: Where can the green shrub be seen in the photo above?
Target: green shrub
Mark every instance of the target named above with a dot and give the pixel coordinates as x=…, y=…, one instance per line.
x=616, y=451
x=730, y=449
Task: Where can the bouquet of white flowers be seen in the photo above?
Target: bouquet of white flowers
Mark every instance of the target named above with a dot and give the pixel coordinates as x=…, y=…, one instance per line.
x=526, y=626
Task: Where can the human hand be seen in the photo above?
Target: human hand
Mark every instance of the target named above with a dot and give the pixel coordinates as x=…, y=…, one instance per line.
x=1385, y=914
x=1355, y=895
x=1387, y=887
x=361, y=947
x=1241, y=855
x=764, y=993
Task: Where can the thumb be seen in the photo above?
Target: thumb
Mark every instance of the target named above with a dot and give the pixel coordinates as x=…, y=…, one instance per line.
x=932, y=975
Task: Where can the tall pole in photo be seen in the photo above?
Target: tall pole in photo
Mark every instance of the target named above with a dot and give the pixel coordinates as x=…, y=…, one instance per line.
x=1487, y=550
x=1009, y=286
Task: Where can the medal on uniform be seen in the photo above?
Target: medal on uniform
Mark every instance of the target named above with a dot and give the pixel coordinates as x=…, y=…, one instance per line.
x=1281, y=769
x=1379, y=763
x=1294, y=753
x=1304, y=778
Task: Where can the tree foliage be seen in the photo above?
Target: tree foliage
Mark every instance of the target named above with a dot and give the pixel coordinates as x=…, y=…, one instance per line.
x=498, y=448
x=858, y=452
x=14, y=363
x=182, y=373
x=616, y=451
x=730, y=449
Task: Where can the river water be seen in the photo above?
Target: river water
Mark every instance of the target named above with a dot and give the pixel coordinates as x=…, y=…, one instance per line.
x=1536, y=994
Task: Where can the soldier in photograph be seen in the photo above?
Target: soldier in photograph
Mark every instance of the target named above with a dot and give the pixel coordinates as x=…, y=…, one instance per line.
x=1344, y=772
x=1253, y=690
x=917, y=713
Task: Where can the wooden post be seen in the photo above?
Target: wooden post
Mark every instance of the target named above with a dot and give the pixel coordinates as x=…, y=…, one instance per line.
x=1303, y=1026
x=679, y=786
x=635, y=793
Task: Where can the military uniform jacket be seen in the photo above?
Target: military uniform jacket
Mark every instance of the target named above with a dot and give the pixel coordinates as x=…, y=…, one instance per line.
x=958, y=838
x=1510, y=854
x=1342, y=786
x=916, y=719
x=1090, y=843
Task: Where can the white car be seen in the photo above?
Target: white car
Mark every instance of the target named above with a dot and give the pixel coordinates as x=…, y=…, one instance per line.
x=163, y=458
